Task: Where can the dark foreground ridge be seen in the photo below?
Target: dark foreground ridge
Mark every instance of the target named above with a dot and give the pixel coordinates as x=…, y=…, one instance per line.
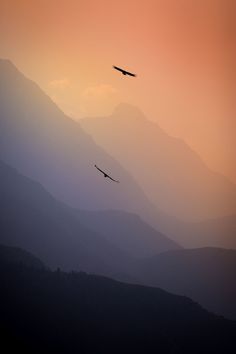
x=57, y=312
x=16, y=255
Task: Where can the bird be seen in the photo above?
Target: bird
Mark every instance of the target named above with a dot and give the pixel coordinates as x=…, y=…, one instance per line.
x=105, y=174
x=124, y=72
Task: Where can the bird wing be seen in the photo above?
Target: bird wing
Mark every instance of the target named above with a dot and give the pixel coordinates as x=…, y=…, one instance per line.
x=99, y=169
x=105, y=174
x=119, y=69
x=113, y=179
x=130, y=74
x=124, y=71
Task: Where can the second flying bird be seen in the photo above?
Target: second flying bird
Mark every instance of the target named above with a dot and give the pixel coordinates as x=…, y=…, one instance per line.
x=105, y=174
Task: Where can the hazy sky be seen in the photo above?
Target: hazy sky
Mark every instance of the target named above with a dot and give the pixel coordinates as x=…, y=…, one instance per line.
x=182, y=51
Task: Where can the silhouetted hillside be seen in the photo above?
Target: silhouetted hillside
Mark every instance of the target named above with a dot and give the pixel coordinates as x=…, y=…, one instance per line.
x=49, y=147
x=127, y=231
x=44, y=144
x=219, y=232
x=172, y=175
x=15, y=255
x=57, y=312
x=206, y=275
x=32, y=219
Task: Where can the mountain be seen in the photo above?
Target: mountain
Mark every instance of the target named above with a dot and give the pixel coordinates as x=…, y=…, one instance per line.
x=62, y=237
x=219, y=232
x=44, y=144
x=127, y=231
x=57, y=312
x=172, y=175
x=49, y=147
x=205, y=275
x=15, y=255
x=32, y=219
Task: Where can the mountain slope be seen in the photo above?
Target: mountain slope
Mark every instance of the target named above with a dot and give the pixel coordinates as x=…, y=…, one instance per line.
x=206, y=275
x=49, y=147
x=32, y=219
x=44, y=144
x=127, y=231
x=98, y=315
x=15, y=255
x=220, y=232
x=171, y=174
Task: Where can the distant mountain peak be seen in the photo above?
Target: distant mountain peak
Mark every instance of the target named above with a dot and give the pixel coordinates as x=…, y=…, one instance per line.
x=6, y=62
x=7, y=66
x=127, y=110
x=12, y=78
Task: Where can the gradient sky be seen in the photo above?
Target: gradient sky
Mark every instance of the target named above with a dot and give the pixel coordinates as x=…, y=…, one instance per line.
x=183, y=52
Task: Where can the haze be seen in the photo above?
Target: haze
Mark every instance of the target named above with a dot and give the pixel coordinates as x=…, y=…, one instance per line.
x=183, y=53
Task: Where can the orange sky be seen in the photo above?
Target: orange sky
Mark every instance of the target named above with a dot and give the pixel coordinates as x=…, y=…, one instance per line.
x=182, y=50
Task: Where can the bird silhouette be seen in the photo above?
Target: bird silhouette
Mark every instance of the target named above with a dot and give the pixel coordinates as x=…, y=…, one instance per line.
x=124, y=72
x=105, y=174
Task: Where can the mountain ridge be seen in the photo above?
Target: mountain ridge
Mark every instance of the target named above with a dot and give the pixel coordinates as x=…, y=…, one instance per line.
x=167, y=169
x=203, y=274
x=33, y=219
x=44, y=144
x=133, y=317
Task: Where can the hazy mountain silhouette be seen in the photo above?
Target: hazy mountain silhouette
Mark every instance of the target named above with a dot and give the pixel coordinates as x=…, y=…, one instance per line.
x=127, y=231
x=220, y=232
x=57, y=312
x=44, y=144
x=32, y=219
x=16, y=255
x=47, y=146
x=64, y=237
x=205, y=275
x=172, y=175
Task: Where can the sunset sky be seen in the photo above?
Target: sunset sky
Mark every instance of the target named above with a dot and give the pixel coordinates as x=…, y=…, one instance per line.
x=183, y=52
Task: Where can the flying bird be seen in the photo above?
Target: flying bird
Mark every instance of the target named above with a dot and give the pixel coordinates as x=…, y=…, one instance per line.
x=105, y=174
x=124, y=72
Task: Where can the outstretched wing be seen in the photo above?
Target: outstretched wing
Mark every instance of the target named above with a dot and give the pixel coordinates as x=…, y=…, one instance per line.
x=105, y=174
x=119, y=69
x=113, y=179
x=124, y=71
x=99, y=169
x=130, y=74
